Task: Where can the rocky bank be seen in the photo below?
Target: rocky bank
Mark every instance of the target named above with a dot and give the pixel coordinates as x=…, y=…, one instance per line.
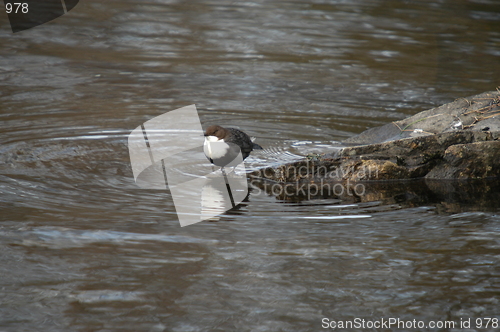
x=459, y=140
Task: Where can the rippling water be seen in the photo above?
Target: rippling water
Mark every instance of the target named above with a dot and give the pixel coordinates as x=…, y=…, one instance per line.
x=84, y=249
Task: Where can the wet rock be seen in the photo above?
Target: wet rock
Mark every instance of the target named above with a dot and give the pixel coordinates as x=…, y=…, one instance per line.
x=459, y=140
x=477, y=160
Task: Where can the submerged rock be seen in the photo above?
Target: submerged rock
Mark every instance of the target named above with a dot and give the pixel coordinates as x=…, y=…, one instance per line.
x=449, y=196
x=459, y=140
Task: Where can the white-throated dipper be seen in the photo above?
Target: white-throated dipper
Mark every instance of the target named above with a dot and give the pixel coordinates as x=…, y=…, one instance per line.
x=222, y=145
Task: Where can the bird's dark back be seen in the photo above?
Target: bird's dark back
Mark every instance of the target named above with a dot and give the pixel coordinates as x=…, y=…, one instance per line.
x=242, y=140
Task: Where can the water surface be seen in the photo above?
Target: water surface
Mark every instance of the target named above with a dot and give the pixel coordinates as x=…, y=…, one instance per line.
x=84, y=249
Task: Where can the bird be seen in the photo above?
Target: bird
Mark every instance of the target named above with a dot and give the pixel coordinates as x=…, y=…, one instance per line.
x=222, y=145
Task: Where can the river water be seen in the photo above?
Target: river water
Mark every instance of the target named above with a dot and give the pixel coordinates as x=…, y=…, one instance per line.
x=84, y=249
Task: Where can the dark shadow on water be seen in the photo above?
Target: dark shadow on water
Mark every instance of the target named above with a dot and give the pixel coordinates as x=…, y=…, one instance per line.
x=447, y=196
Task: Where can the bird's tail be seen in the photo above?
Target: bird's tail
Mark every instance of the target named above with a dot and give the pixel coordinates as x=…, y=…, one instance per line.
x=256, y=146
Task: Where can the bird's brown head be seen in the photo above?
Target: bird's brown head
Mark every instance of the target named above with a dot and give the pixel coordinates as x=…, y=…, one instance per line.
x=217, y=131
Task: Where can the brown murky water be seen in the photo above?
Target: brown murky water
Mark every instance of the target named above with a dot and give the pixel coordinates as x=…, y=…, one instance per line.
x=84, y=249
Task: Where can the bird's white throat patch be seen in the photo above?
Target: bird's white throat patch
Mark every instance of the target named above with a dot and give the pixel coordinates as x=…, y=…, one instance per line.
x=213, y=139
x=215, y=148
